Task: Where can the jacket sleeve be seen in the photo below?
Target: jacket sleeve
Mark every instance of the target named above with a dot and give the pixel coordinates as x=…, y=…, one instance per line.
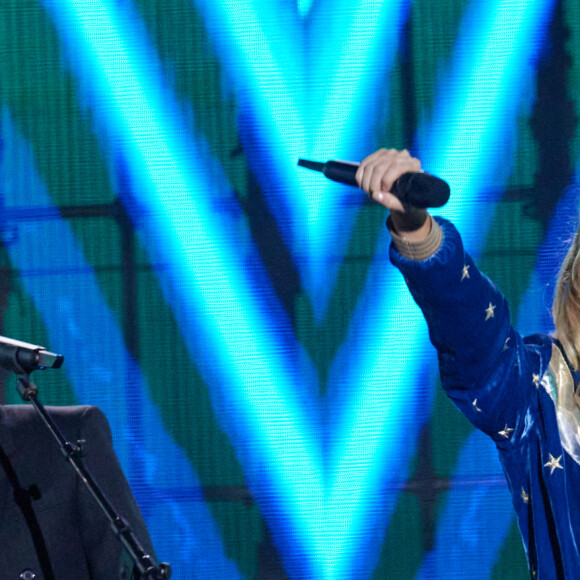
x=486, y=367
x=105, y=554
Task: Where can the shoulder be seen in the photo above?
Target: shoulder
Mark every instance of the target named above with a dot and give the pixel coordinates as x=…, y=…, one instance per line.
x=540, y=342
x=539, y=339
x=71, y=419
x=537, y=352
x=25, y=413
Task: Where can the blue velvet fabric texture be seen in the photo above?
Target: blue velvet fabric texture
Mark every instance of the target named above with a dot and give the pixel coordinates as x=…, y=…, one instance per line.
x=501, y=382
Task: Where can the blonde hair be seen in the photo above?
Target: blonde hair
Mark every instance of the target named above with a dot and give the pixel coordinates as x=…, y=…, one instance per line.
x=566, y=305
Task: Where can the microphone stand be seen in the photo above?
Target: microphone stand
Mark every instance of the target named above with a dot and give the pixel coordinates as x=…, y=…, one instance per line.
x=147, y=567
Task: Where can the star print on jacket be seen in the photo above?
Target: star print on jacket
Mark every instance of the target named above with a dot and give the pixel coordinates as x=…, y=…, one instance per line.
x=521, y=396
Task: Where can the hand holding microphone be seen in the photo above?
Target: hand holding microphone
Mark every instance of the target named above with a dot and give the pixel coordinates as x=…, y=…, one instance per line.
x=391, y=178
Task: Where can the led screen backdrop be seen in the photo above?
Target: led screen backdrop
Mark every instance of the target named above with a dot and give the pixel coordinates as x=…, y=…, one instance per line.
x=268, y=379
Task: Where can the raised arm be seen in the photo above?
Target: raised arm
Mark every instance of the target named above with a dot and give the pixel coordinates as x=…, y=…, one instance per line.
x=485, y=366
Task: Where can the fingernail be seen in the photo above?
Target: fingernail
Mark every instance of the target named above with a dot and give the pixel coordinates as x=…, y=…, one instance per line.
x=379, y=196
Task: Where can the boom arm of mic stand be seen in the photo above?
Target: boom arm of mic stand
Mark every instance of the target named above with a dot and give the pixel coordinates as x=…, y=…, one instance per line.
x=146, y=565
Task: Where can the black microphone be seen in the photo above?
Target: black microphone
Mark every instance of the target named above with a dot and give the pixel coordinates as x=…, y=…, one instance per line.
x=23, y=358
x=416, y=189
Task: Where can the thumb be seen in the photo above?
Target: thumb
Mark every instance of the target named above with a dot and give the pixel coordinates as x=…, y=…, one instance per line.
x=389, y=200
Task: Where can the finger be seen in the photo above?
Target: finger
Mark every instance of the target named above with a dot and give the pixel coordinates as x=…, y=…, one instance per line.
x=387, y=169
x=378, y=161
x=382, y=167
x=370, y=173
x=375, y=167
x=379, y=171
x=367, y=164
x=399, y=167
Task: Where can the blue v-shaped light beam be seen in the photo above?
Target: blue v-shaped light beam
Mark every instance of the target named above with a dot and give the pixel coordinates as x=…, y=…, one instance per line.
x=102, y=372
x=243, y=345
x=324, y=519
x=495, y=52
x=307, y=88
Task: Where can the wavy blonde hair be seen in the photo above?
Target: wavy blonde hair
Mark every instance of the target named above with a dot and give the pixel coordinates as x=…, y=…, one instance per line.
x=566, y=305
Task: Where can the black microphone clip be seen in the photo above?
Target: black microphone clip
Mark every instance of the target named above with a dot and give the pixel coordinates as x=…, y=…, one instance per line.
x=23, y=358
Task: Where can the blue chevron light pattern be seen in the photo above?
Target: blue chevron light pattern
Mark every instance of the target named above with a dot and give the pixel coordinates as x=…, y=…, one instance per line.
x=324, y=503
x=78, y=320
x=303, y=88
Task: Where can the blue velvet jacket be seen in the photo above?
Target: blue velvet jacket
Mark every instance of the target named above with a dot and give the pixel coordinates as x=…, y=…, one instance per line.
x=519, y=390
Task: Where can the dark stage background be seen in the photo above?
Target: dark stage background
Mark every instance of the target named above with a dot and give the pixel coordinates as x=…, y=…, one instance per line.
x=269, y=382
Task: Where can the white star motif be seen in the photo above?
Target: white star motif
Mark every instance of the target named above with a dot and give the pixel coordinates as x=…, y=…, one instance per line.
x=506, y=432
x=475, y=406
x=553, y=464
x=489, y=311
x=536, y=380
x=465, y=273
x=525, y=496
